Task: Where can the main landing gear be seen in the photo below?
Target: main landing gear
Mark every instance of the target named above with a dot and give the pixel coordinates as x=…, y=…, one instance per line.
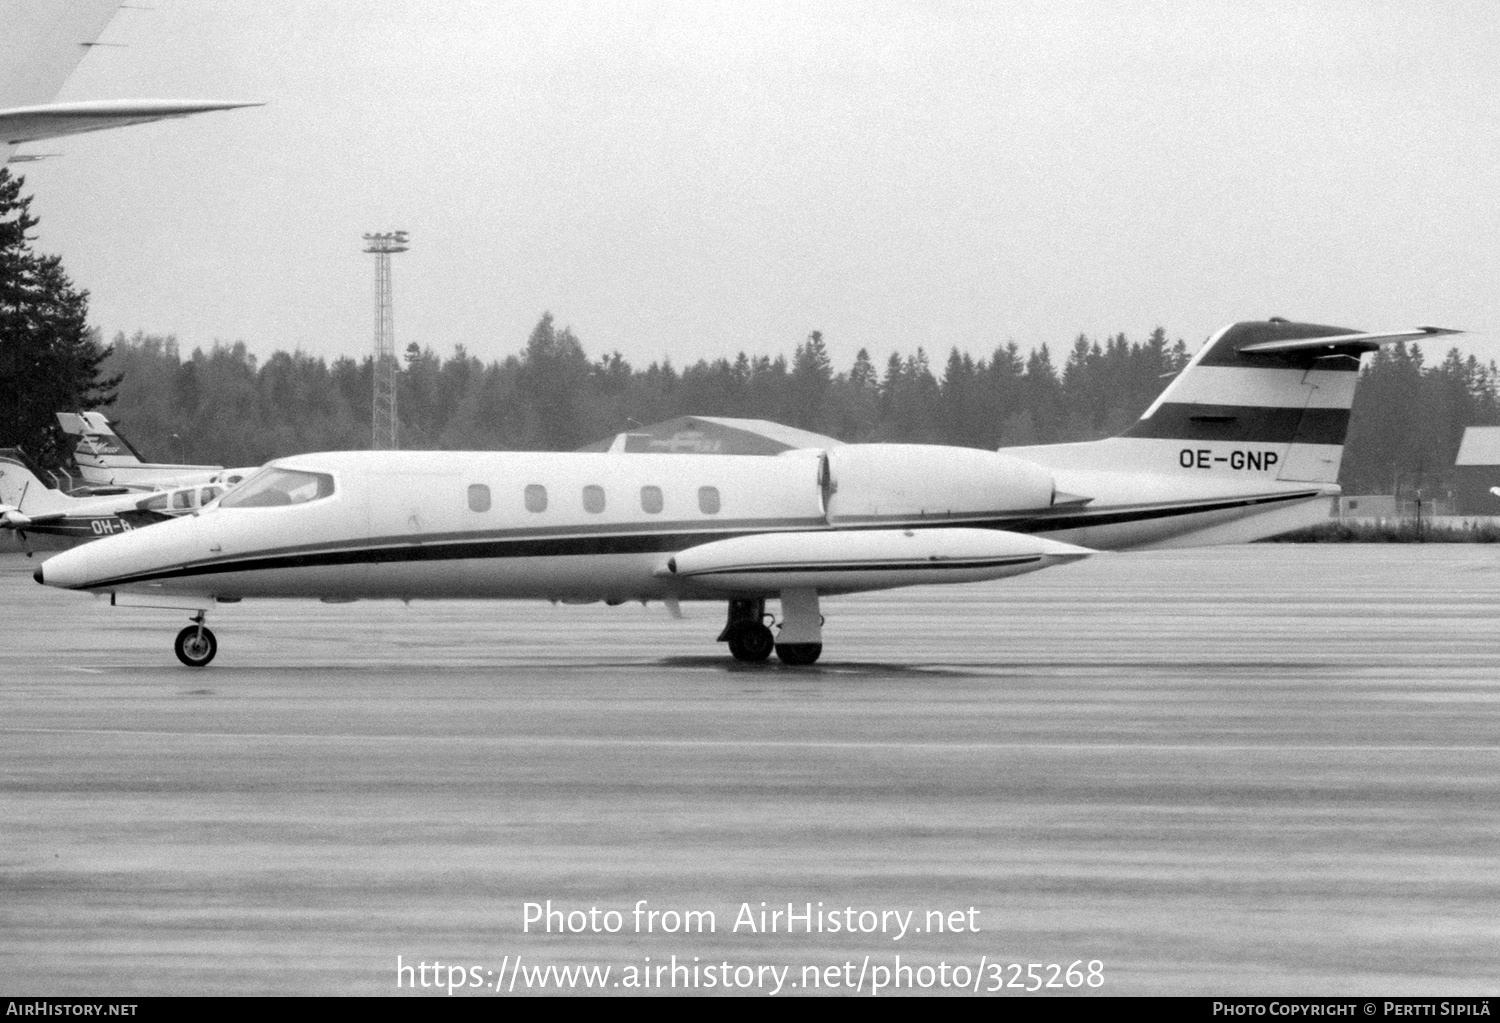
x=196, y=644
x=800, y=637
x=746, y=633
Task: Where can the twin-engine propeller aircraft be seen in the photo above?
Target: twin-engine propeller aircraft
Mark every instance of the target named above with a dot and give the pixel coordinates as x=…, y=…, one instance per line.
x=28, y=505
x=1241, y=445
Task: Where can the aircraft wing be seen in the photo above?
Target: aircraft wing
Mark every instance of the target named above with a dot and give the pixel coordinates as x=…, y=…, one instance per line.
x=29, y=124
x=1361, y=342
x=41, y=43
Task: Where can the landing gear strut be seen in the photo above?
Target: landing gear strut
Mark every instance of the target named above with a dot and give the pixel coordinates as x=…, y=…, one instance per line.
x=746, y=633
x=800, y=640
x=196, y=644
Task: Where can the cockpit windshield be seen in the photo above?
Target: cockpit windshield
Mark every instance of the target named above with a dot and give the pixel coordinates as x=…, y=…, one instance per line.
x=271, y=487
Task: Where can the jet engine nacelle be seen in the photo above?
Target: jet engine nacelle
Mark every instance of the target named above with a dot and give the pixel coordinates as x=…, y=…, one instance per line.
x=870, y=482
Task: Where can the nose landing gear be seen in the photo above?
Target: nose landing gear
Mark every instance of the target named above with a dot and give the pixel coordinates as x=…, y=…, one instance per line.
x=196, y=644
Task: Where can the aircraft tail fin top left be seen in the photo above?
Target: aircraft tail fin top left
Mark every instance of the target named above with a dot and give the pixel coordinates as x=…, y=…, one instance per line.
x=96, y=444
x=42, y=43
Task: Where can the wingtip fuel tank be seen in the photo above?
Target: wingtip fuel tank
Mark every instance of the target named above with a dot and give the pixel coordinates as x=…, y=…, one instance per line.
x=833, y=562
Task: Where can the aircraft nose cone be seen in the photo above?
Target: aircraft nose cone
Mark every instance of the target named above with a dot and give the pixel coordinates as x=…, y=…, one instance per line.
x=68, y=569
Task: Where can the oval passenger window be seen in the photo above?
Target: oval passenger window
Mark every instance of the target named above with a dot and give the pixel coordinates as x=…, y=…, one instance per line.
x=708, y=500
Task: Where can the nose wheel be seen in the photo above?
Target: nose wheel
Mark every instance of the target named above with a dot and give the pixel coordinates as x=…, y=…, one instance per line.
x=196, y=644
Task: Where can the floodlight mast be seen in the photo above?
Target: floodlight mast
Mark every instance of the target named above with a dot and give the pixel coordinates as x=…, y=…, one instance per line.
x=383, y=418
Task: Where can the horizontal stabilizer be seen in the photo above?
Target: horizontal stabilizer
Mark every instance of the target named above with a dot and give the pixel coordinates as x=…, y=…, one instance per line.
x=51, y=120
x=1359, y=342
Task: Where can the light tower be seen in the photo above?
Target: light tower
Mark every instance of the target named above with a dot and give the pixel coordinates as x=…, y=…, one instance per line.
x=384, y=418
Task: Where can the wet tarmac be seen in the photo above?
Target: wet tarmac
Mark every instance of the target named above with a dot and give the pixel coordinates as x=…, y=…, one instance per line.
x=1253, y=770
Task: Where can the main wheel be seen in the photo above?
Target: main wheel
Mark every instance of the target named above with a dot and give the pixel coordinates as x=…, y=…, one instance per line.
x=196, y=647
x=798, y=653
x=751, y=641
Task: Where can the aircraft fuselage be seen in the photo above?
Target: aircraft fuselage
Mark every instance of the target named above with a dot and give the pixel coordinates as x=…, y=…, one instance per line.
x=582, y=526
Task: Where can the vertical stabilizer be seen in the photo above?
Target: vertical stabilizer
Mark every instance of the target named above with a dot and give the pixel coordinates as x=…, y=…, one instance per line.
x=1264, y=401
x=21, y=490
x=1287, y=407
x=43, y=41
x=1283, y=389
x=96, y=445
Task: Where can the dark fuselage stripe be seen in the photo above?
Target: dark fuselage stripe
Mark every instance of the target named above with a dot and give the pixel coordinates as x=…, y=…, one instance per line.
x=1244, y=424
x=82, y=526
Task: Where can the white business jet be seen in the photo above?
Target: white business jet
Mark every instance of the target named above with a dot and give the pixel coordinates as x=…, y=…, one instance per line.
x=1244, y=443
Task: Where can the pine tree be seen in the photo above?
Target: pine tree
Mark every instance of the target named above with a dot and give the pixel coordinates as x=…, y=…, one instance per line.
x=49, y=358
x=554, y=373
x=811, y=374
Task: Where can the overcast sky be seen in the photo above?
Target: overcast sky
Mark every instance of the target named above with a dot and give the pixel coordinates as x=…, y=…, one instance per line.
x=692, y=179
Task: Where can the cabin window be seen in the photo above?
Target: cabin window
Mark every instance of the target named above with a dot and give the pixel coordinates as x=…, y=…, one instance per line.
x=157, y=503
x=651, y=501
x=272, y=486
x=209, y=494
x=479, y=497
x=183, y=500
x=708, y=500
x=536, y=498
x=593, y=499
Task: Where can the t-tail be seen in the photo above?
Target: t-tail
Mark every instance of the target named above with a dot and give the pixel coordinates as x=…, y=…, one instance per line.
x=1253, y=426
x=1278, y=393
x=96, y=445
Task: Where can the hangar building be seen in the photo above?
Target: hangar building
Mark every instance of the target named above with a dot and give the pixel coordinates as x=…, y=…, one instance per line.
x=1476, y=470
